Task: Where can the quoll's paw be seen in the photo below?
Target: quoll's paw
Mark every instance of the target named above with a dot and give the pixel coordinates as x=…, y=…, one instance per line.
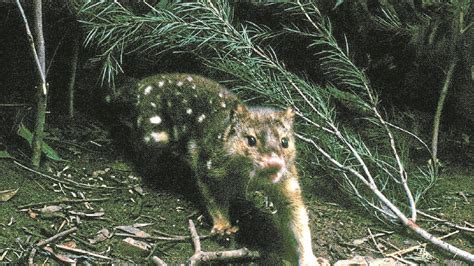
x=224, y=228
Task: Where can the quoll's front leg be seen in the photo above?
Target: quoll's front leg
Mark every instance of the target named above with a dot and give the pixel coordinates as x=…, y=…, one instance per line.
x=217, y=206
x=293, y=221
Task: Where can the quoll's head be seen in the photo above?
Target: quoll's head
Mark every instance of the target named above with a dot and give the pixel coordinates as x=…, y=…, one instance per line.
x=265, y=136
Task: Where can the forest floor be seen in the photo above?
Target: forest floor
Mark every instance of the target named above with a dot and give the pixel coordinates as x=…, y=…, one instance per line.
x=121, y=207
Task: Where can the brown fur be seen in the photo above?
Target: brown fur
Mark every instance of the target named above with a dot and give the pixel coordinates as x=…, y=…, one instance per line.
x=228, y=146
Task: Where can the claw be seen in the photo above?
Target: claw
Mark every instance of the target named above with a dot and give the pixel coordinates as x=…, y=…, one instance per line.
x=224, y=228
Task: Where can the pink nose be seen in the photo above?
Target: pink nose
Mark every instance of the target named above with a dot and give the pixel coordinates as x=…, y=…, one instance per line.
x=273, y=162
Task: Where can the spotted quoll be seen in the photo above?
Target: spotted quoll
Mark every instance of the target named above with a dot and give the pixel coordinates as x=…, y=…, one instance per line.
x=228, y=146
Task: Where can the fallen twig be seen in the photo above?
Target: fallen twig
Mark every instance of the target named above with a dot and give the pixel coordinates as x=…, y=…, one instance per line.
x=410, y=249
x=57, y=236
x=158, y=261
x=173, y=238
x=203, y=256
x=446, y=222
x=372, y=237
x=41, y=243
x=60, y=201
x=360, y=241
x=84, y=252
x=31, y=257
x=407, y=262
x=68, y=181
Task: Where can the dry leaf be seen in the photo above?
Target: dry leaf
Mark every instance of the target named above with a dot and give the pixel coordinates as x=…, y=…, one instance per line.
x=139, y=190
x=60, y=257
x=138, y=225
x=71, y=244
x=137, y=243
x=132, y=230
x=32, y=214
x=7, y=194
x=102, y=235
x=50, y=209
x=90, y=215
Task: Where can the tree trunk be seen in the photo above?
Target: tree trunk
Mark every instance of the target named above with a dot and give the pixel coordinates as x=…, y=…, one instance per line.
x=42, y=87
x=72, y=80
x=439, y=111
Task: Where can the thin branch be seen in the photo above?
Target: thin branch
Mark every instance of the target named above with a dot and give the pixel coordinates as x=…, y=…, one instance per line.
x=156, y=260
x=203, y=256
x=31, y=41
x=162, y=238
x=439, y=110
x=83, y=252
x=410, y=249
x=68, y=181
x=464, y=228
x=60, y=202
x=194, y=238
x=55, y=237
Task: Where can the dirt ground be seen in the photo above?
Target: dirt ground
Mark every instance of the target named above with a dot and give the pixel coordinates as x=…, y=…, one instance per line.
x=97, y=170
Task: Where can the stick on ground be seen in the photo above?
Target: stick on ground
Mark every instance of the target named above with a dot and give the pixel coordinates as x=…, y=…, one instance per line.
x=208, y=256
x=60, y=201
x=83, y=252
x=57, y=236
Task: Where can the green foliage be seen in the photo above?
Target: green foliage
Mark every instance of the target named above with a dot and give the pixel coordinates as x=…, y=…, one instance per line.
x=207, y=29
x=26, y=134
x=5, y=155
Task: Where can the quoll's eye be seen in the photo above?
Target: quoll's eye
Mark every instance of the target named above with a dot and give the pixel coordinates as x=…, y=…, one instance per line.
x=284, y=142
x=252, y=141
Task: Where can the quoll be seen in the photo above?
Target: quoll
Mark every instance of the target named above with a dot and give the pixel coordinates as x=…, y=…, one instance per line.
x=228, y=146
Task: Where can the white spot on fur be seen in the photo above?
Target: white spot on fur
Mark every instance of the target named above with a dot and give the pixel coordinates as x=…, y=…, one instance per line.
x=179, y=83
x=189, y=111
x=209, y=164
x=147, y=90
x=192, y=147
x=161, y=83
x=201, y=118
x=155, y=120
x=160, y=136
x=189, y=78
x=153, y=104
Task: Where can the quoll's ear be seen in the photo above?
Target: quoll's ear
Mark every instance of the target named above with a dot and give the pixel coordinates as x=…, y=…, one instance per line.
x=239, y=113
x=240, y=109
x=288, y=115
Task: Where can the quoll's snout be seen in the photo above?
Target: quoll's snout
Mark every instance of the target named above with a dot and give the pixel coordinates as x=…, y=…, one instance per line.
x=272, y=167
x=273, y=161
